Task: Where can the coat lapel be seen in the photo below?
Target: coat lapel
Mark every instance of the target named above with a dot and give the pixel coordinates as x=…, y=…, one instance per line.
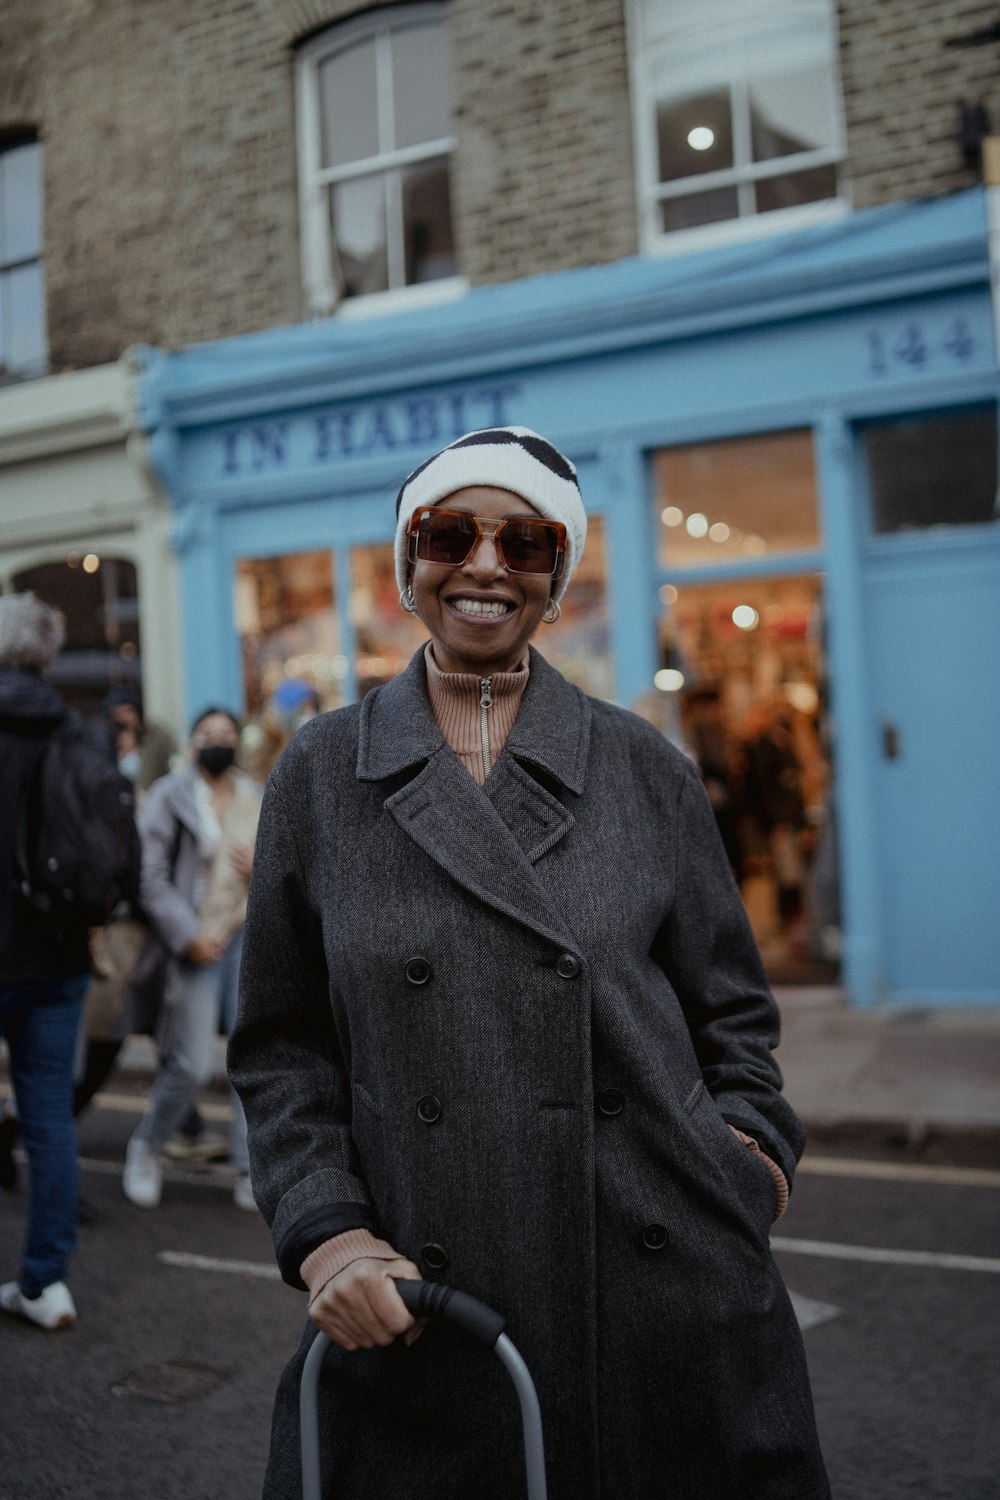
x=487, y=843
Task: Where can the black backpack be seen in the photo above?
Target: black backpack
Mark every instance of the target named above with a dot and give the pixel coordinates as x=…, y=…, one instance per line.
x=78, y=853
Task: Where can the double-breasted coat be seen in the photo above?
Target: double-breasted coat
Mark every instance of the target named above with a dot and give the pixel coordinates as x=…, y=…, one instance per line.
x=508, y=1025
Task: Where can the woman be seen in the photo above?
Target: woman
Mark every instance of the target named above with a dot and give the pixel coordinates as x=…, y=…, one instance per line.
x=503, y=1023
x=198, y=827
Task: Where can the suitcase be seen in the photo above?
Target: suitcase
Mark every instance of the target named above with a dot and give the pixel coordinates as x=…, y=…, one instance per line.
x=431, y=1299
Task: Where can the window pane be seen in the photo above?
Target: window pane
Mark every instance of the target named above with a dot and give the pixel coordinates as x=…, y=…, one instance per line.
x=933, y=471
x=789, y=190
x=742, y=687
x=713, y=207
x=24, y=347
x=695, y=135
x=21, y=203
x=349, y=102
x=359, y=235
x=578, y=643
x=791, y=112
x=385, y=636
x=743, y=497
x=421, y=84
x=288, y=630
x=430, y=249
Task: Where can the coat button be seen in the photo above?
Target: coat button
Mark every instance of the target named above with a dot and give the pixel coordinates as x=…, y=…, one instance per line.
x=654, y=1237
x=611, y=1101
x=428, y=1109
x=568, y=966
x=417, y=970
x=434, y=1257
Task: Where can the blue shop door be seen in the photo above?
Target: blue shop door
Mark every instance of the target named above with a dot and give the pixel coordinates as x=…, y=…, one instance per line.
x=933, y=623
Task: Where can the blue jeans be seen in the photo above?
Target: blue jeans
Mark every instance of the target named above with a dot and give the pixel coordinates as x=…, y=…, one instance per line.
x=208, y=998
x=40, y=1023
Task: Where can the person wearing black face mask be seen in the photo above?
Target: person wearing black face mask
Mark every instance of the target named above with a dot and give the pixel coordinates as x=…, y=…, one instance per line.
x=215, y=760
x=198, y=828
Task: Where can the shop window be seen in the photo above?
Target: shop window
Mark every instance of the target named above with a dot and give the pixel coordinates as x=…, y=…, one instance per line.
x=723, y=502
x=288, y=629
x=578, y=644
x=738, y=112
x=385, y=636
x=23, y=347
x=933, y=470
x=98, y=598
x=375, y=144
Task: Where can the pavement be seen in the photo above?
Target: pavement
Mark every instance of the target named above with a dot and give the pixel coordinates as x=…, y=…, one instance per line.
x=922, y=1082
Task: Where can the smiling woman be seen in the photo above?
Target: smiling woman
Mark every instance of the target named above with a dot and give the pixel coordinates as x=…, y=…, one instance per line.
x=502, y=1021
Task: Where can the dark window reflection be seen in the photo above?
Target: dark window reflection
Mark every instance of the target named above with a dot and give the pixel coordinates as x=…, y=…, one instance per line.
x=695, y=135
x=936, y=470
x=793, y=188
x=712, y=207
x=430, y=248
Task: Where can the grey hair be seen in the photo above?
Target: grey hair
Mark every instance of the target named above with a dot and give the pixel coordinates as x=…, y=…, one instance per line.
x=31, y=632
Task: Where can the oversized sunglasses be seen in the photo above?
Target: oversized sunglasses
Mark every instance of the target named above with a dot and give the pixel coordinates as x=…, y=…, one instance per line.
x=450, y=537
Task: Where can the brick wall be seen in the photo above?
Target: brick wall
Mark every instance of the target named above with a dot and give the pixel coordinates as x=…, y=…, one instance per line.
x=169, y=134
x=543, y=174
x=170, y=189
x=902, y=89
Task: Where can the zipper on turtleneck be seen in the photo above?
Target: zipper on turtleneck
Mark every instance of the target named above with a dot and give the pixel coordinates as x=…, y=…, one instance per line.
x=485, y=704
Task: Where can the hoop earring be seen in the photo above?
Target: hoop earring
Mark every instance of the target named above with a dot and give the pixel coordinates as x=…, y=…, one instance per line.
x=552, y=612
x=407, y=601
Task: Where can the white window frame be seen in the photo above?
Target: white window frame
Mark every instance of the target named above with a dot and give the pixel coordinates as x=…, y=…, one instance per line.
x=10, y=373
x=322, y=293
x=749, y=224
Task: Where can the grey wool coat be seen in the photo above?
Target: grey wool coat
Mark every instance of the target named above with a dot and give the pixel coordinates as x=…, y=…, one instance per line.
x=506, y=1027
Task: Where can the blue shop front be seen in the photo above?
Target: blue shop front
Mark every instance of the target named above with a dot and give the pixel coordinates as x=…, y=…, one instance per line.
x=788, y=453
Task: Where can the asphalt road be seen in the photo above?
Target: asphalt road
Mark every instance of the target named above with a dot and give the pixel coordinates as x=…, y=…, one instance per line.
x=164, y=1388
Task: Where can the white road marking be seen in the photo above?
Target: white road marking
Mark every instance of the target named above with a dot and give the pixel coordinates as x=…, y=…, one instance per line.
x=137, y=1104
x=898, y=1171
x=212, y=1263
x=809, y=1312
x=831, y=1251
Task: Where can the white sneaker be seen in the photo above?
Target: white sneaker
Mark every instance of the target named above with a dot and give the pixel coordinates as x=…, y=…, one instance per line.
x=52, y=1308
x=142, y=1179
x=208, y=1146
x=243, y=1193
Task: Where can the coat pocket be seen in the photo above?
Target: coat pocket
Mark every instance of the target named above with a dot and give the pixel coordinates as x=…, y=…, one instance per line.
x=748, y=1177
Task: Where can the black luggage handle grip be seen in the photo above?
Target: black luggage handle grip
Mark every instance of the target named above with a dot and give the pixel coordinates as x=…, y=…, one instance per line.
x=431, y=1299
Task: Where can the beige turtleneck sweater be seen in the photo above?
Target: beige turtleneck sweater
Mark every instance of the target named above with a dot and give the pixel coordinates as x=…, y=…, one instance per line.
x=475, y=719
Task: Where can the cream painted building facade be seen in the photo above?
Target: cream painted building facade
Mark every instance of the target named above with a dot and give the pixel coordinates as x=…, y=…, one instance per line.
x=75, y=487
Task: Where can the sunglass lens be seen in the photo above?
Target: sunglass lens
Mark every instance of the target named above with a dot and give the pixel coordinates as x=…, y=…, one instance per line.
x=445, y=537
x=530, y=546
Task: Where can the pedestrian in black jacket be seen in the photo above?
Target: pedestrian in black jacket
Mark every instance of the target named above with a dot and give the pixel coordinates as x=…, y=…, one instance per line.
x=503, y=1023
x=42, y=981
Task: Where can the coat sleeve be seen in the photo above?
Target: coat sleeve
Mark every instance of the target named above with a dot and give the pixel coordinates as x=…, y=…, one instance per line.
x=285, y=1059
x=707, y=950
x=174, y=919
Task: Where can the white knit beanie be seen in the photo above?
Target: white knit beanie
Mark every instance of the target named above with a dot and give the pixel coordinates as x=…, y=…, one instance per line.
x=509, y=458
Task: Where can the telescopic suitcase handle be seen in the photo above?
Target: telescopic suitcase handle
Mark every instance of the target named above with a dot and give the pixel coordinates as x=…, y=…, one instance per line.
x=431, y=1299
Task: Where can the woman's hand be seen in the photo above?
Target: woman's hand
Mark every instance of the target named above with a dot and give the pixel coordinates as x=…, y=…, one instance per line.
x=203, y=950
x=359, y=1308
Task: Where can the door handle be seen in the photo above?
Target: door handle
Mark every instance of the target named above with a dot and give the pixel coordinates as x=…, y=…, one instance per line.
x=890, y=741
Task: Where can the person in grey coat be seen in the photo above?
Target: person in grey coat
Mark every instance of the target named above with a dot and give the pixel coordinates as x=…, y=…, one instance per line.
x=197, y=827
x=502, y=1023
